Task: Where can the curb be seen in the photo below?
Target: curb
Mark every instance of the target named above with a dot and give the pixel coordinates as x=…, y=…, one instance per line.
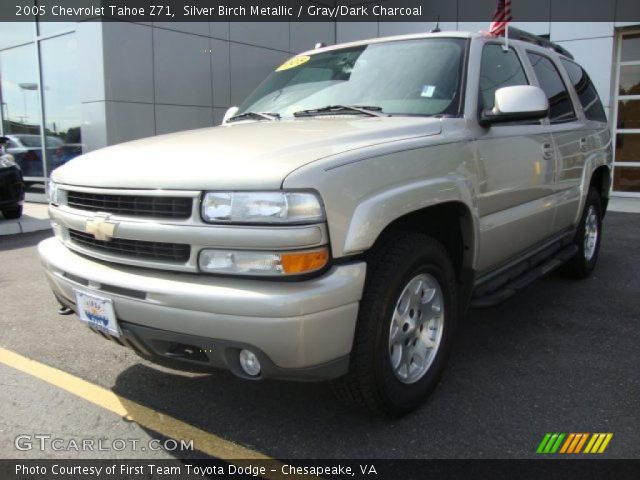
x=34, y=219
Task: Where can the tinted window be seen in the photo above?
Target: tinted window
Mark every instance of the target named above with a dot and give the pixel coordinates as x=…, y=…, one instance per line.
x=586, y=91
x=560, y=106
x=499, y=69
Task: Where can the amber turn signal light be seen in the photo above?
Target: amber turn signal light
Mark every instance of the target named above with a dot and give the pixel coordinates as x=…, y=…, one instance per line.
x=295, y=263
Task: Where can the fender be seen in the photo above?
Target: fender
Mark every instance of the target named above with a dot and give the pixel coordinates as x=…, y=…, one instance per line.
x=601, y=156
x=377, y=211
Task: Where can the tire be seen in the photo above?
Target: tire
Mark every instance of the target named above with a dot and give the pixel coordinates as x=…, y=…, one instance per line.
x=372, y=381
x=12, y=213
x=585, y=260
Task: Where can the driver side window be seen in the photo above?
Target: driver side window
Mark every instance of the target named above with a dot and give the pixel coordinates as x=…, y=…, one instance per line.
x=498, y=69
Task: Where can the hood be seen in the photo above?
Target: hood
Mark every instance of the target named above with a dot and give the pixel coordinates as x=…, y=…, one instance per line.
x=239, y=156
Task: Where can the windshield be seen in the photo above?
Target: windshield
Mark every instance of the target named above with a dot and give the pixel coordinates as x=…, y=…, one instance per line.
x=407, y=77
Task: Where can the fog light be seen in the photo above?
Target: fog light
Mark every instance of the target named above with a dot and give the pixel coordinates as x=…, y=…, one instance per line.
x=249, y=362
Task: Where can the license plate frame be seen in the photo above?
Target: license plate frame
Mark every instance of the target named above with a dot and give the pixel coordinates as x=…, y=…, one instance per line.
x=97, y=312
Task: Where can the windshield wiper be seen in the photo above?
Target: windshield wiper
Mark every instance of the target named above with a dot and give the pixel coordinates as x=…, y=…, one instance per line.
x=256, y=116
x=337, y=109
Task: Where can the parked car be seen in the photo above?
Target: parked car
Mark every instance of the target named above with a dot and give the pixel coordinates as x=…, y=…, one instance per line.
x=27, y=151
x=341, y=221
x=11, y=184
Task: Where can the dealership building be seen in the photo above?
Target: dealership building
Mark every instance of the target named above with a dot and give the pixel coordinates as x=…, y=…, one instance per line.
x=82, y=86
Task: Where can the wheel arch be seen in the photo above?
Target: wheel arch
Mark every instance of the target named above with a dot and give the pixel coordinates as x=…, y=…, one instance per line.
x=442, y=208
x=601, y=181
x=450, y=223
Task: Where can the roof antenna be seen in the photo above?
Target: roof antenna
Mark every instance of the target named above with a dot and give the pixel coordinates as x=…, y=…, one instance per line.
x=437, y=27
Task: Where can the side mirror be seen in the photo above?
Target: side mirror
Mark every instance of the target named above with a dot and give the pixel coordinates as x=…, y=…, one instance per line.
x=520, y=102
x=228, y=114
x=4, y=140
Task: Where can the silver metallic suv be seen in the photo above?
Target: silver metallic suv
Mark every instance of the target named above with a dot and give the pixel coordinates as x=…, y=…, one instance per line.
x=341, y=220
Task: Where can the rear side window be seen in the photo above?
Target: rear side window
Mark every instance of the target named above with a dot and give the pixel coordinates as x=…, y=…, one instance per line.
x=589, y=98
x=560, y=106
x=499, y=69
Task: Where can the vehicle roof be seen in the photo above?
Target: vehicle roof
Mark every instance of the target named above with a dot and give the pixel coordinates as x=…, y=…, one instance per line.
x=411, y=36
x=414, y=36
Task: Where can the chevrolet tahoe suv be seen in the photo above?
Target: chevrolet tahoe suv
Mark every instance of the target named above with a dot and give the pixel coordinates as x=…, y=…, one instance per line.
x=339, y=222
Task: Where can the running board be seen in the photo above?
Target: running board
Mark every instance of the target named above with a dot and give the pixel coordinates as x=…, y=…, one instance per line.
x=501, y=294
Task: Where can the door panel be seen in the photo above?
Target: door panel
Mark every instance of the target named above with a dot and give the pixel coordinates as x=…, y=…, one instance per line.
x=515, y=198
x=571, y=138
x=573, y=141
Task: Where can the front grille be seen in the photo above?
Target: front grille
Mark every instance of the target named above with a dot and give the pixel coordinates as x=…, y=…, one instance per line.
x=165, y=252
x=132, y=205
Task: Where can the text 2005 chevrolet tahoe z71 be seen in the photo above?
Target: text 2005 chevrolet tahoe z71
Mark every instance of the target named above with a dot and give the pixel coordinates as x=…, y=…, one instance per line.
x=337, y=225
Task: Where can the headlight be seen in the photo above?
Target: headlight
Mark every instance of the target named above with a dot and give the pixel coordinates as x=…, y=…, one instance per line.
x=6, y=161
x=54, y=193
x=261, y=207
x=238, y=262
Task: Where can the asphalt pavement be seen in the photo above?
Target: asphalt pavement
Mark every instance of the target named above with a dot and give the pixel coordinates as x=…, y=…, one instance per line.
x=560, y=356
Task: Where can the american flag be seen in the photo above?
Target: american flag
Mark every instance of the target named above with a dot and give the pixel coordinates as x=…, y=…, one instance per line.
x=501, y=18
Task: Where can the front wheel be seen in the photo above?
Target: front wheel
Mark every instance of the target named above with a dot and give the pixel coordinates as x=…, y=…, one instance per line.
x=407, y=317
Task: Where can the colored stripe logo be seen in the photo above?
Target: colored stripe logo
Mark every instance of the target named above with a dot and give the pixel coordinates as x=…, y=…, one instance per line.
x=573, y=443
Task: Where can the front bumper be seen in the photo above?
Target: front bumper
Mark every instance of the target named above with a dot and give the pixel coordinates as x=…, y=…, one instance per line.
x=298, y=330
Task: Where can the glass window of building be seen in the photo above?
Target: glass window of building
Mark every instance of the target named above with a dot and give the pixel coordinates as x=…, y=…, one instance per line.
x=15, y=33
x=630, y=47
x=21, y=107
x=51, y=28
x=61, y=102
x=626, y=177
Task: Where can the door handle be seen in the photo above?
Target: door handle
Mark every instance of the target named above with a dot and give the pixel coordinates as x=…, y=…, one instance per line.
x=584, y=144
x=547, y=151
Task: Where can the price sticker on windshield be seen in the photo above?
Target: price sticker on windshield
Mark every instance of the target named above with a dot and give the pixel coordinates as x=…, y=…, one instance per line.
x=293, y=62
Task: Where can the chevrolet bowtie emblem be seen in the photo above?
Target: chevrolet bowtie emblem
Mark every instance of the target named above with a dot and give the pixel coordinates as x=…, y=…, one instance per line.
x=100, y=228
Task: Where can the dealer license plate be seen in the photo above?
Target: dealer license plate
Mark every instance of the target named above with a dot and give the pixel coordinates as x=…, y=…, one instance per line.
x=97, y=312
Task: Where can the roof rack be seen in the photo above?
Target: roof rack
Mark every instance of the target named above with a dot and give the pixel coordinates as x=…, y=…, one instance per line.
x=517, y=34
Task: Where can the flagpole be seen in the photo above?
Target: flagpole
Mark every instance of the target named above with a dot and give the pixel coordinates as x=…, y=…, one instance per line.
x=506, y=38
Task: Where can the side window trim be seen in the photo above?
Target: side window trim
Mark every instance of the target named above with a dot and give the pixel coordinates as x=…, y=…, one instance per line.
x=577, y=112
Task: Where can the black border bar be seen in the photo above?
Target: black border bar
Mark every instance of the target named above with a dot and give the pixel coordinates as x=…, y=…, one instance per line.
x=539, y=469
x=316, y=10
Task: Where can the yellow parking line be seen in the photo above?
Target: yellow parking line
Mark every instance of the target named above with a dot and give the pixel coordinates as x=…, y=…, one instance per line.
x=146, y=417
